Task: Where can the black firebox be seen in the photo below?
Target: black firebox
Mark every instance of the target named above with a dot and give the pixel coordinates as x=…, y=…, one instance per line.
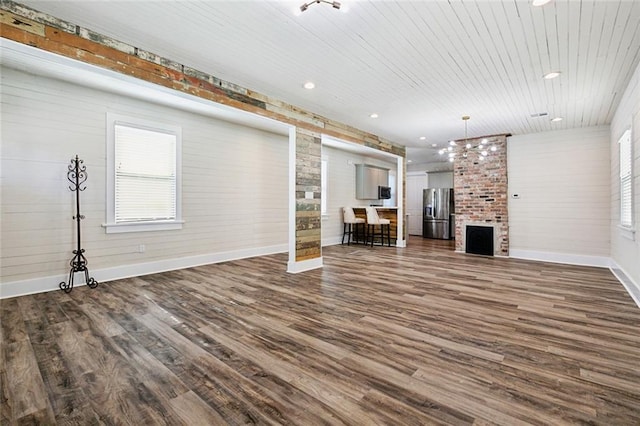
x=479, y=240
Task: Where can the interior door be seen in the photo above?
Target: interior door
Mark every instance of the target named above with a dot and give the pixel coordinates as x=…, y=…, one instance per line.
x=415, y=186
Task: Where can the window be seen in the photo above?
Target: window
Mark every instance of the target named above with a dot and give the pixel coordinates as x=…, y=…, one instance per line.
x=323, y=186
x=626, y=213
x=143, y=175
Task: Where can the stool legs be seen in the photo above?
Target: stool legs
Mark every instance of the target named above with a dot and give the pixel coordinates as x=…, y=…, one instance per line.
x=350, y=229
x=388, y=235
x=344, y=231
x=371, y=233
x=347, y=231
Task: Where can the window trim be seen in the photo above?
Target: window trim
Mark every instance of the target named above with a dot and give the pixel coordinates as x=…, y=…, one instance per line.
x=324, y=183
x=111, y=227
x=626, y=138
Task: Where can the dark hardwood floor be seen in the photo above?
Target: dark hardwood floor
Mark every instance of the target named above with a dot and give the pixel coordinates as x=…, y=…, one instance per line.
x=378, y=336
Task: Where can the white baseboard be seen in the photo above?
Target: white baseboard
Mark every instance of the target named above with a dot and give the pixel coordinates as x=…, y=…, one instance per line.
x=304, y=265
x=633, y=288
x=569, y=259
x=49, y=283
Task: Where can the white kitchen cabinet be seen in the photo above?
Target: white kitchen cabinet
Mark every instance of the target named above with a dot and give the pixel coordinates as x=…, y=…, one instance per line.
x=368, y=179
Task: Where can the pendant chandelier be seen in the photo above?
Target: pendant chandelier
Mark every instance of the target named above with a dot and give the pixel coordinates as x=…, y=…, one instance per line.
x=481, y=150
x=335, y=4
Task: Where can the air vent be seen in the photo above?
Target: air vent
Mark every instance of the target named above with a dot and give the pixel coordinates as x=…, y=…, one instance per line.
x=539, y=114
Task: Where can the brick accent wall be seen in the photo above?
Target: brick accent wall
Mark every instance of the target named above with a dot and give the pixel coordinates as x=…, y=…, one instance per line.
x=480, y=188
x=308, y=211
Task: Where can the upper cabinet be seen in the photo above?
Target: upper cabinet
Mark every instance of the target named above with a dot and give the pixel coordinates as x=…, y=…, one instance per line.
x=368, y=179
x=440, y=179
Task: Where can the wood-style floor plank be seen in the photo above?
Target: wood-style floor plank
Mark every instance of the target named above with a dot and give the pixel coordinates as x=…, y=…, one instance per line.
x=413, y=336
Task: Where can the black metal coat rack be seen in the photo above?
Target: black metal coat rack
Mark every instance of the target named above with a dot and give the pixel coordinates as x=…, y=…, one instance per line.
x=77, y=175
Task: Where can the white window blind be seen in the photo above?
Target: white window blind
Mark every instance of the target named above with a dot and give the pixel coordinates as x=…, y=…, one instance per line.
x=144, y=167
x=625, y=180
x=145, y=174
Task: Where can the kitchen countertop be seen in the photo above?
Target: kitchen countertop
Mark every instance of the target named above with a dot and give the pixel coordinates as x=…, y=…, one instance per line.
x=377, y=207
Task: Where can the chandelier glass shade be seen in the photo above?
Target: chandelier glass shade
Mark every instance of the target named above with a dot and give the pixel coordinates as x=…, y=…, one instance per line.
x=474, y=149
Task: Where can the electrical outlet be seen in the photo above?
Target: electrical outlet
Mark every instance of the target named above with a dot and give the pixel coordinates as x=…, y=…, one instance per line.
x=141, y=248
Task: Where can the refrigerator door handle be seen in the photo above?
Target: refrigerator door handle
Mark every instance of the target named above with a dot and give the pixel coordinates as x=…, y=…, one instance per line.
x=435, y=203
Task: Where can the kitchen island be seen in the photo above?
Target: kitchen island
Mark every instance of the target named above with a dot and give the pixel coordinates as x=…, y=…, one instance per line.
x=390, y=213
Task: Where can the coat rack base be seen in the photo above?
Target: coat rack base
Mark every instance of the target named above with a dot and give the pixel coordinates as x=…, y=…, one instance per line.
x=78, y=264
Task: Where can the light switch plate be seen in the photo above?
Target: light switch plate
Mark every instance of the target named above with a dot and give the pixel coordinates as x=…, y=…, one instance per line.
x=308, y=195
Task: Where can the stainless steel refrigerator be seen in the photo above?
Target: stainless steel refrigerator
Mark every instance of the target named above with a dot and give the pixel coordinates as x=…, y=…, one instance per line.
x=437, y=212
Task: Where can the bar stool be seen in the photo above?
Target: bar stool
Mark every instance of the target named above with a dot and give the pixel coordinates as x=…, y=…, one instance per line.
x=350, y=224
x=374, y=220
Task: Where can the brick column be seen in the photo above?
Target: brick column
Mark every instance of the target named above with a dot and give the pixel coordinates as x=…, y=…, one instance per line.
x=480, y=188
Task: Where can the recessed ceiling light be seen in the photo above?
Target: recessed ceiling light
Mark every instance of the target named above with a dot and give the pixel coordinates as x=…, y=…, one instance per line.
x=373, y=115
x=409, y=161
x=550, y=75
x=309, y=85
x=422, y=138
x=434, y=145
x=540, y=2
x=556, y=119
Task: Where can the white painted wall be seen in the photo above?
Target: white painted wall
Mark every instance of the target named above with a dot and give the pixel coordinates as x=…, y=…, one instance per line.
x=234, y=185
x=424, y=167
x=625, y=247
x=563, y=182
x=341, y=188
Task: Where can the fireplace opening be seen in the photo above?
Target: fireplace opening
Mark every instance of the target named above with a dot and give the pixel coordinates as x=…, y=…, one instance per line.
x=479, y=240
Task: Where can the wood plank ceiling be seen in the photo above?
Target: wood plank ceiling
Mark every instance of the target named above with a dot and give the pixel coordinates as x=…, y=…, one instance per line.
x=420, y=65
